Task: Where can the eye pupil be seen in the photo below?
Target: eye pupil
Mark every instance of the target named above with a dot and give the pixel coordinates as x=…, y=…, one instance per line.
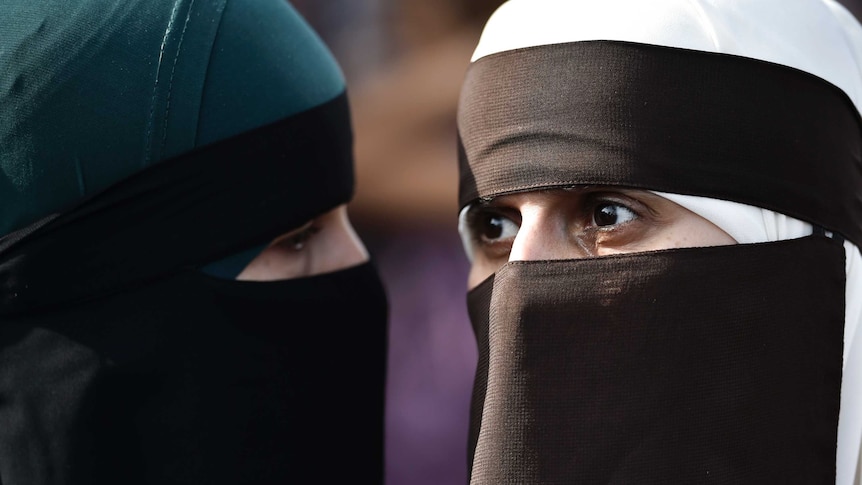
x=493, y=227
x=605, y=215
x=490, y=226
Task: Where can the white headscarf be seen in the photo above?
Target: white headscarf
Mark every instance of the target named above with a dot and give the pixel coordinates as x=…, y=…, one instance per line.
x=817, y=36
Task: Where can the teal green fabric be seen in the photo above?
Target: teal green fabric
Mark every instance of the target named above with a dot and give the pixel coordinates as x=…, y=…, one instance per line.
x=266, y=64
x=93, y=91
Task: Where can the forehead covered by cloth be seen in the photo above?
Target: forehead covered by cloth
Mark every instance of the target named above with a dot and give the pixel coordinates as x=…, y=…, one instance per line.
x=666, y=119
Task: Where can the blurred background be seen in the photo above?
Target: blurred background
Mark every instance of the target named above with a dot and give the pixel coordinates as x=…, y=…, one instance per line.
x=404, y=61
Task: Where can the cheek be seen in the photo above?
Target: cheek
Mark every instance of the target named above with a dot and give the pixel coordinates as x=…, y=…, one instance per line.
x=336, y=247
x=277, y=263
x=693, y=231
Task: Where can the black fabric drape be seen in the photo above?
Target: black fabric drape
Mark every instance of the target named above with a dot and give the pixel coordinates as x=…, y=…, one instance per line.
x=195, y=380
x=120, y=363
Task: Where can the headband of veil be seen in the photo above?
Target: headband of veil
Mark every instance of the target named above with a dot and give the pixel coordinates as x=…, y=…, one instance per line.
x=816, y=36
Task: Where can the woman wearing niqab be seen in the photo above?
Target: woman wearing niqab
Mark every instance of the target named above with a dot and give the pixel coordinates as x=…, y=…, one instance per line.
x=734, y=362
x=150, y=152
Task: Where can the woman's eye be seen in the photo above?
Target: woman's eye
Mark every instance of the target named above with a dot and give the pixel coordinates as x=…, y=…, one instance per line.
x=296, y=239
x=611, y=214
x=490, y=228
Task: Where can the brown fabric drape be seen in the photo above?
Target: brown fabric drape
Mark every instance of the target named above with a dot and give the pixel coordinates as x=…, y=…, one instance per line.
x=697, y=365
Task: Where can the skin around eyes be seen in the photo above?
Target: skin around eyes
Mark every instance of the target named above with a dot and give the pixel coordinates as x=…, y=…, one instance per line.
x=325, y=244
x=579, y=222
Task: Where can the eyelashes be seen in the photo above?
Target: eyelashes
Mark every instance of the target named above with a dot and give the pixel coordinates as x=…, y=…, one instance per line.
x=297, y=239
x=611, y=214
x=488, y=224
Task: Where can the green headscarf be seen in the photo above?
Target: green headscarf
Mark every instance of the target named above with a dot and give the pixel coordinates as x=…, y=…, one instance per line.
x=93, y=91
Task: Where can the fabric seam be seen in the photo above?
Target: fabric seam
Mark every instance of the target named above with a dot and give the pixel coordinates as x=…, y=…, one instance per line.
x=171, y=78
x=168, y=29
x=207, y=71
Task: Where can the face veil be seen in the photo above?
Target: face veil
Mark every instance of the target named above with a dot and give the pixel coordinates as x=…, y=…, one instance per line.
x=718, y=365
x=142, y=141
x=645, y=368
